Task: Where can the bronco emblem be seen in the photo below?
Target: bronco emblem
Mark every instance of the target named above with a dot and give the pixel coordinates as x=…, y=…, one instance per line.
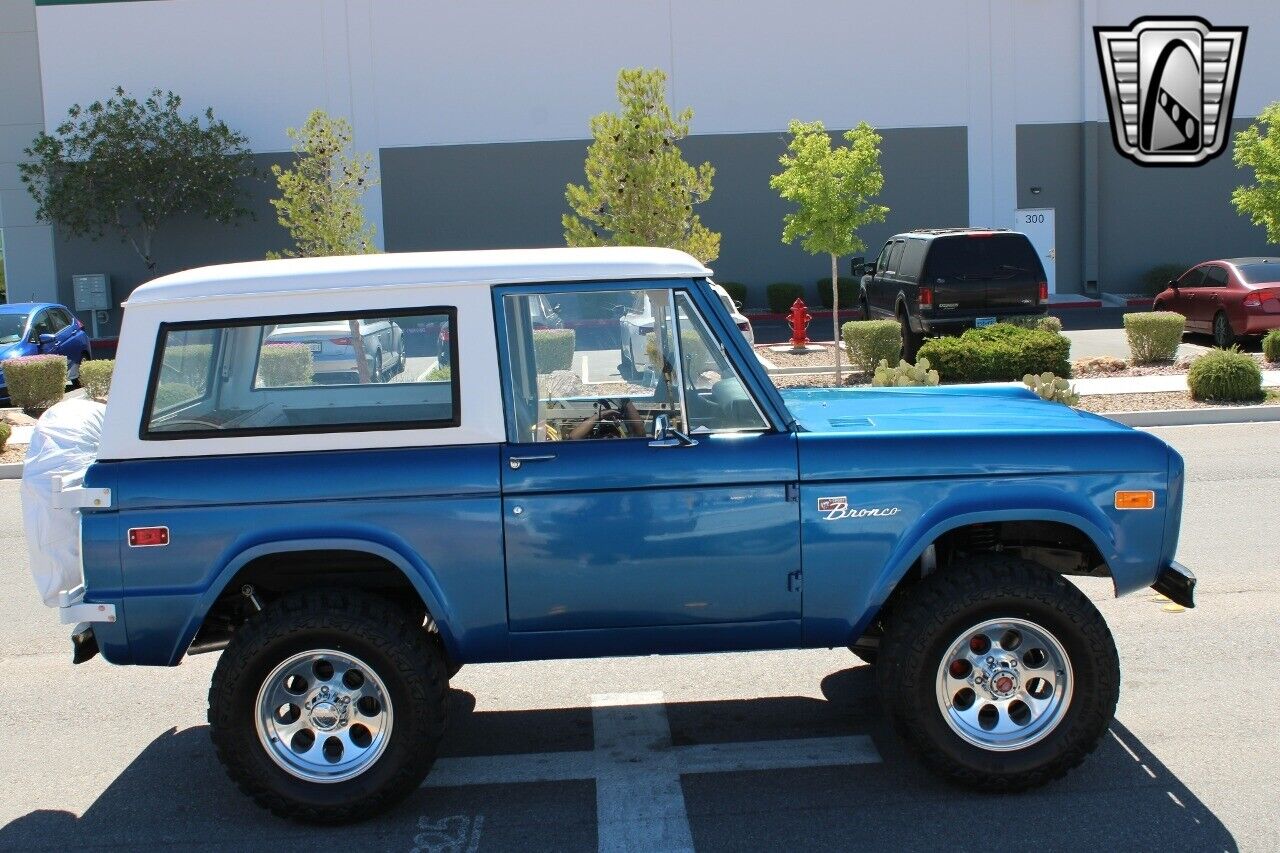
x=838, y=508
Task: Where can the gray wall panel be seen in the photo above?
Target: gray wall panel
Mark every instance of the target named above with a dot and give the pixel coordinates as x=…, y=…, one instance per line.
x=485, y=196
x=1050, y=157
x=180, y=244
x=1148, y=216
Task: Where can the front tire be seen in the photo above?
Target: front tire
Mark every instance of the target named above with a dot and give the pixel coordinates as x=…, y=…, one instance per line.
x=328, y=706
x=1000, y=674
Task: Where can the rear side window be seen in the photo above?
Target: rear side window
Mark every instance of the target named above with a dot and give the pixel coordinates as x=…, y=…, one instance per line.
x=966, y=257
x=1215, y=276
x=912, y=259
x=319, y=373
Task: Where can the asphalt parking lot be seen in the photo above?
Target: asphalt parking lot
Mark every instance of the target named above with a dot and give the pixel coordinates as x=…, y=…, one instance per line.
x=715, y=752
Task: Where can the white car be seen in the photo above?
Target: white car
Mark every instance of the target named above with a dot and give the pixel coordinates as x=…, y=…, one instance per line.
x=334, y=353
x=637, y=323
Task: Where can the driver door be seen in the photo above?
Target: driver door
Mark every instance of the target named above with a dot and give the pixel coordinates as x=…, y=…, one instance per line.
x=657, y=544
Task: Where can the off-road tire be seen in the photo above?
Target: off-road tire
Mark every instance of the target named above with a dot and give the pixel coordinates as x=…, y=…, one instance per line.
x=389, y=641
x=940, y=609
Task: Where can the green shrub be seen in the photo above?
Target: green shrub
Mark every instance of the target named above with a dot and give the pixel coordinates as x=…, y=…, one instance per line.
x=1154, y=335
x=1271, y=346
x=188, y=363
x=1052, y=388
x=284, y=365
x=95, y=378
x=1228, y=376
x=1158, y=277
x=439, y=373
x=172, y=393
x=999, y=353
x=1044, y=323
x=848, y=292
x=782, y=295
x=904, y=375
x=737, y=292
x=35, y=382
x=869, y=342
x=553, y=349
x=5, y=432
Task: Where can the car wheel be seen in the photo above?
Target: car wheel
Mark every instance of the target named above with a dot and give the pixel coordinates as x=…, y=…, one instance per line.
x=328, y=707
x=999, y=673
x=73, y=370
x=402, y=358
x=1223, y=335
x=864, y=308
x=379, y=371
x=910, y=340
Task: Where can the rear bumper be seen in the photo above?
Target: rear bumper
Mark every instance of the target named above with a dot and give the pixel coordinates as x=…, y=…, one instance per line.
x=1177, y=583
x=1260, y=324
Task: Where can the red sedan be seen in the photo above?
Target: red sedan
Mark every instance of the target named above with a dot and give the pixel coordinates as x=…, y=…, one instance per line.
x=1229, y=299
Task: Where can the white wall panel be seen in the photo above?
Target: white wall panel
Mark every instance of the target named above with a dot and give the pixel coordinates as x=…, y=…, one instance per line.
x=752, y=65
x=503, y=70
x=260, y=65
x=1047, y=62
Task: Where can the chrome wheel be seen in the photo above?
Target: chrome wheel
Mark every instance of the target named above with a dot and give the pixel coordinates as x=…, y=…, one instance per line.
x=1004, y=684
x=324, y=716
x=1223, y=336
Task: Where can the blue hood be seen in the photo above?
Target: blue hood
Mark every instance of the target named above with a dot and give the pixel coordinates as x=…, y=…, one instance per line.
x=954, y=409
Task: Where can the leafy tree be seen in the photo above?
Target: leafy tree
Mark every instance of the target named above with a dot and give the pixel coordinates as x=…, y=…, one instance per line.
x=639, y=190
x=832, y=189
x=1258, y=147
x=319, y=200
x=125, y=166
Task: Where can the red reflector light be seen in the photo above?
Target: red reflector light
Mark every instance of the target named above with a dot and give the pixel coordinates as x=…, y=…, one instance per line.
x=1044, y=291
x=148, y=537
x=979, y=235
x=745, y=325
x=926, y=297
x=342, y=342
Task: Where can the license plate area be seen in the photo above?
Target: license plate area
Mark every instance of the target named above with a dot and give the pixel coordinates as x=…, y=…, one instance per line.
x=983, y=322
x=314, y=346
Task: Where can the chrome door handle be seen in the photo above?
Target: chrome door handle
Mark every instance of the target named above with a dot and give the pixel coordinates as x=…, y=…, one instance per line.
x=517, y=461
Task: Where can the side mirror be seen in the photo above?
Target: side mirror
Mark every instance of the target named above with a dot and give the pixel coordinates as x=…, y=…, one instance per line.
x=661, y=427
x=665, y=436
x=858, y=265
x=1173, y=283
x=46, y=340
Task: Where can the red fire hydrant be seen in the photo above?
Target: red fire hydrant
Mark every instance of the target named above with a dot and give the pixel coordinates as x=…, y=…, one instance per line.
x=799, y=319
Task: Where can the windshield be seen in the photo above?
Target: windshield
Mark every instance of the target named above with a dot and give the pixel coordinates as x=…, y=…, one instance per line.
x=1259, y=273
x=11, y=326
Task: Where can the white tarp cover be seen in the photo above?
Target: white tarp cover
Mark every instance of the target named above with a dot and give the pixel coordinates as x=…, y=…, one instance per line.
x=64, y=442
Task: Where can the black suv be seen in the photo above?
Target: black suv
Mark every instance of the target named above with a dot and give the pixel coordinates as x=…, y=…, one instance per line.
x=941, y=281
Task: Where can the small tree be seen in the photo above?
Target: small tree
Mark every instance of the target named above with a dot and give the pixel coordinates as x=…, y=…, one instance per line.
x=640, y=191
x=832, y=189
x=126, y=166
x=319, y=201
x=1258, y=147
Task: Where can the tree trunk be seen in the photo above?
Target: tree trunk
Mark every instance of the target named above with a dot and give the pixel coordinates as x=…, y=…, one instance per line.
x=835, y=317
x=362, y=358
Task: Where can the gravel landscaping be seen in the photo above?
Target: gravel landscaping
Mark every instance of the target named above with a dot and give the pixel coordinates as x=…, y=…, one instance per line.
x=808, y=359
x=13, y=453
x=1092, y=368
x=1155, y=402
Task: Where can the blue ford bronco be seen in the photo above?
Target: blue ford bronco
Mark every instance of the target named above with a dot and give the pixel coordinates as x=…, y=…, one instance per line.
x=350, y=536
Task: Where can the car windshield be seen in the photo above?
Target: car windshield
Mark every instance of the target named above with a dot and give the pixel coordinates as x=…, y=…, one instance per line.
x=11, y=326
x=1259, y=273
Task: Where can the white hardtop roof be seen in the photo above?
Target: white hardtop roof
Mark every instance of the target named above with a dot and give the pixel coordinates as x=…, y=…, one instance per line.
x=494, y=266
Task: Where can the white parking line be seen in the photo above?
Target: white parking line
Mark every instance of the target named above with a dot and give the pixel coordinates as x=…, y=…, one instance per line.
x=639, y=801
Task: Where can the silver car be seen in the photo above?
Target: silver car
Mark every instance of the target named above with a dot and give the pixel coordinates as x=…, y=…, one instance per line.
x=333, y=350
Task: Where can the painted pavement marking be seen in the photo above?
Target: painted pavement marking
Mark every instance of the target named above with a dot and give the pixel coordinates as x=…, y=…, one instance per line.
x=639, y=801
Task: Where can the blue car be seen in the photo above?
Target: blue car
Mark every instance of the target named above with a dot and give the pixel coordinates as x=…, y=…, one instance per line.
x=42, y=328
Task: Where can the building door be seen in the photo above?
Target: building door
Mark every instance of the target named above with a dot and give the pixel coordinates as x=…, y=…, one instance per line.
x=1037, y=224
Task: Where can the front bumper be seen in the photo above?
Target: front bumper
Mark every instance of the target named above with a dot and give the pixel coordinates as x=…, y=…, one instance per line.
x=1177, y=583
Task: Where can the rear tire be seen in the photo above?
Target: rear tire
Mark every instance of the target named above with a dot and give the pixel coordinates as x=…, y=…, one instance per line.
x=1062, y=671
x=910, y=340
x=384, y=747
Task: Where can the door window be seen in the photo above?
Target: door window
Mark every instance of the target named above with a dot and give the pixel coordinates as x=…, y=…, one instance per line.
x=608, y=377
x=883, y=260
x=42, y=325
x=1192, y=278
x=895, y=257
x=1215, y=276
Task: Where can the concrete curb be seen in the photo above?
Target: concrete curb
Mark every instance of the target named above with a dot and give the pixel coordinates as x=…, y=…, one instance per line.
x=11, y=471
x=1197, y=417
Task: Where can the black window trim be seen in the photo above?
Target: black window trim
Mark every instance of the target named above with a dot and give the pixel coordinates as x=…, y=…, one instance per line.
x=449, y=312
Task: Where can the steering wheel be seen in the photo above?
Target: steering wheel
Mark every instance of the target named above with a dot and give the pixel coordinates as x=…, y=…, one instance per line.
x=609, y=421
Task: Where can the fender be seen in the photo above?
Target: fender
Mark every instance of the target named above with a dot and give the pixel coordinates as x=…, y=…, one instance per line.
x=418, y=573
x=943, y=518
